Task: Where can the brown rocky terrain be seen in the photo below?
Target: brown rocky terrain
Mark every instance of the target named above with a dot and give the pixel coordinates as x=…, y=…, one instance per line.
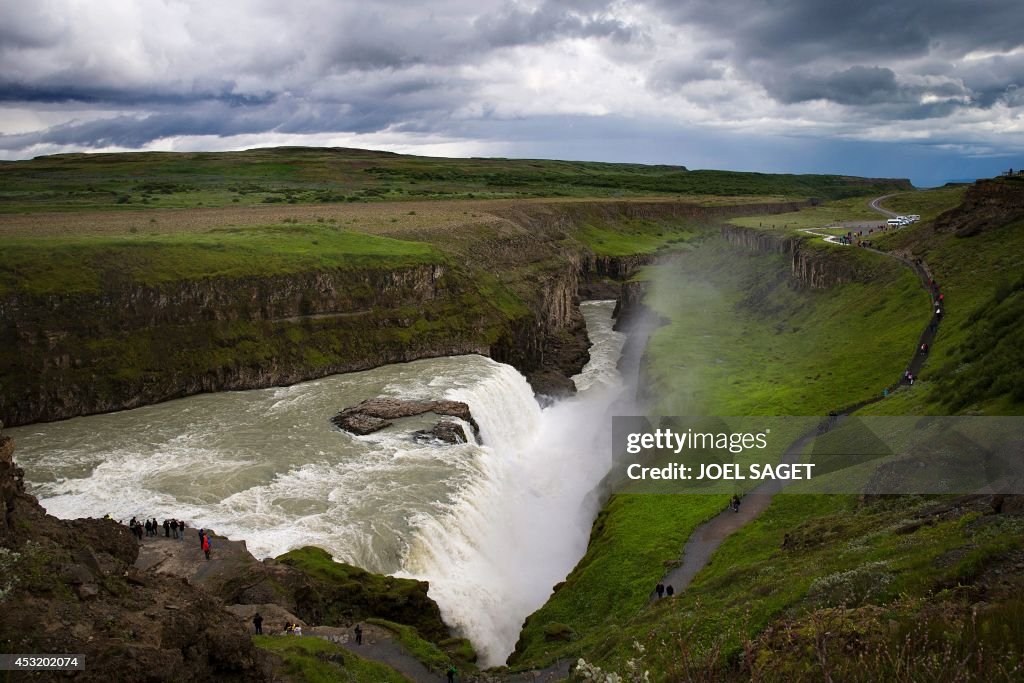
x=72, y=587
x=157, y=610
x=987, y=204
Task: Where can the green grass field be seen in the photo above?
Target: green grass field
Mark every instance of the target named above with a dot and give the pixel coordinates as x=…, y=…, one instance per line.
x=926, y=203
x=75, y=265
x=315, y=660
x=294, y=175
x=827, y=213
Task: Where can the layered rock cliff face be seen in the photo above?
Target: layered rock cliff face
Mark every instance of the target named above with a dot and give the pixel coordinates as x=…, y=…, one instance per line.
x=810, y=267
x=508, y=288
x=132, y=344
x=987, y=204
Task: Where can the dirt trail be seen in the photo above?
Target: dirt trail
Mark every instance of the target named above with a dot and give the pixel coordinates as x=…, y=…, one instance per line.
x=379, y=645
x=706, y=538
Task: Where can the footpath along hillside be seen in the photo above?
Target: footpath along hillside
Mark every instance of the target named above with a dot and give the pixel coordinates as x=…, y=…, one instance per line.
x=707, y=537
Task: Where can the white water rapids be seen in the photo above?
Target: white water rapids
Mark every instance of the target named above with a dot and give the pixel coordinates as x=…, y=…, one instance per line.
x=492, y=527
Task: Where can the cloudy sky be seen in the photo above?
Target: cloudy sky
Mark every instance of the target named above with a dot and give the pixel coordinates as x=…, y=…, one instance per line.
x=927, y=89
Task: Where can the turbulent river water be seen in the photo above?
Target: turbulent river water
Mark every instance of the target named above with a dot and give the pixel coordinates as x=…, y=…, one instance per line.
x=491, y=526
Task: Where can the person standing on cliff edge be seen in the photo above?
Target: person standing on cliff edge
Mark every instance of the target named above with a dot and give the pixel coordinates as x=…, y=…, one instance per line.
x=359, y=634
x=257, y=621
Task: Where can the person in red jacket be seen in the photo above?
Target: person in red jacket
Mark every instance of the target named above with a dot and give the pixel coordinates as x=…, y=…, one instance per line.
x=206, y=546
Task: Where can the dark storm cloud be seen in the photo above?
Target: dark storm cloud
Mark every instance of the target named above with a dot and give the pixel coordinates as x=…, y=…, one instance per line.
x=126, y=96
x=995, y=79
x=517, y=26
x=793, y=31
x=369, y=38
x=863, y=53
x=670, y=75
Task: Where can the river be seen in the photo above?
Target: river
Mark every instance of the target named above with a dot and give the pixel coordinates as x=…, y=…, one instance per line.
x=491, y=526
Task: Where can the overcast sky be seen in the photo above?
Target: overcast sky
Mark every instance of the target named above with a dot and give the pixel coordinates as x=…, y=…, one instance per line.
x=927, y=89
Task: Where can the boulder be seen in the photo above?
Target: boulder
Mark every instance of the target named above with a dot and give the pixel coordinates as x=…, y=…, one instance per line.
x=445, y=430
x=377, y=413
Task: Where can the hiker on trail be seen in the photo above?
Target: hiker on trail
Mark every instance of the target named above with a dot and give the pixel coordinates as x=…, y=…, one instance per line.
x=289, y=627
x=181, y=530
x=924, y=348
x=910, y=378
x=735, y=505
x=669, y=590
x=938, y=313
x=206, y=547
x=885, y=392
x=257, y=621
x=660, y=590
x=359, y=634
x=451, y=673
x=297, y=630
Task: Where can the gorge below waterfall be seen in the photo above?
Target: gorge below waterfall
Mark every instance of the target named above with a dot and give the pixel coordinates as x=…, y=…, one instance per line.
x=492, y=526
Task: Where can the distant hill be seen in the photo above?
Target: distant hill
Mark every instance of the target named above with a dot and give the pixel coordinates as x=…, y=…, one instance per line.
x=304, y=175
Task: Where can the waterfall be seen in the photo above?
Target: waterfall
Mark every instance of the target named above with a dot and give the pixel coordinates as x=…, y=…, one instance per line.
x=515, y=531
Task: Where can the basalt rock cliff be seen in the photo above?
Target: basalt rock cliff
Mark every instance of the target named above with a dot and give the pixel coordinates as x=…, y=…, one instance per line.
x=809, y=266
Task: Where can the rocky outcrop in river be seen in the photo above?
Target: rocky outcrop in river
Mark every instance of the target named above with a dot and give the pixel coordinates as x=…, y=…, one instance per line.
x=377, y=413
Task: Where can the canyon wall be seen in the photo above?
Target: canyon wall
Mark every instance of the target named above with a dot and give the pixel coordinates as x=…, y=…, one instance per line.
x=810, y=264
x=510, y=292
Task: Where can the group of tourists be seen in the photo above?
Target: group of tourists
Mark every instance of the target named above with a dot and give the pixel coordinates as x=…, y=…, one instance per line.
x=857, y=238
x=173, y=528
x=664, y=591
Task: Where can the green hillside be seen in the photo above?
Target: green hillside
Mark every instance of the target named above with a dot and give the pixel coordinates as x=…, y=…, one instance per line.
x=297, y=175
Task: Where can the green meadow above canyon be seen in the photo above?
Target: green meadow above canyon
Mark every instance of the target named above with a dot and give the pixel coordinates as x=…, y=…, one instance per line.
x=130, y=279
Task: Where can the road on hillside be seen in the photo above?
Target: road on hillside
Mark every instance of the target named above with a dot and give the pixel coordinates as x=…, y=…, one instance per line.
x=874, y=205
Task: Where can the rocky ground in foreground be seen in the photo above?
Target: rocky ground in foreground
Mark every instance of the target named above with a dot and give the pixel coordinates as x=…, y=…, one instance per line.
x=158, y=610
